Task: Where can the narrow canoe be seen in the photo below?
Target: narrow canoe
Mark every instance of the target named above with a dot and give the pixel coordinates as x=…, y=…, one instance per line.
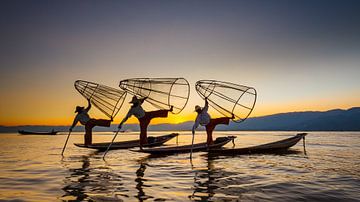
x=153, y=142
x=272, y=147
x=24, y=132
x=219, y=142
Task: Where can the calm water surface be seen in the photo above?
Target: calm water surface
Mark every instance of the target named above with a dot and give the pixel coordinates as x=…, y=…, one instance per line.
x=32, y=169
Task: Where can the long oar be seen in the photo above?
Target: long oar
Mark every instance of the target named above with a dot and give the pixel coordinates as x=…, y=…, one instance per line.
x=62, y=153
x=192, y=145
x=111, y=143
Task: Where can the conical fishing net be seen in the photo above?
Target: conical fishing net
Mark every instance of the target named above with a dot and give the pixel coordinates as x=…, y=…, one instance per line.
x=108, y=100
x=228, y=98
x=160, y=92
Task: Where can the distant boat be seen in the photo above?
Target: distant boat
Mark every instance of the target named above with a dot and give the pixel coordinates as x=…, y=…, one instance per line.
x=24, y=132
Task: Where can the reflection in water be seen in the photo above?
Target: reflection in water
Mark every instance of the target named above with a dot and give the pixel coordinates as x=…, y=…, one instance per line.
x=204, y=187
x=77, y=188
x=86, y=183
x=140, y=182
x=329, y=172
x=90, y=179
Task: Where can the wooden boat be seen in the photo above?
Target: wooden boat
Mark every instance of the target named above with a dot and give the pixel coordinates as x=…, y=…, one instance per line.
x=219, y=142
x=24, y=132
x=153, y=142
x=272, y=147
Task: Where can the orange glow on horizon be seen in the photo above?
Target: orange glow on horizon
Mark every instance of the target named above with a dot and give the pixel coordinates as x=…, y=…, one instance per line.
x=181, y=118
x=31, y=115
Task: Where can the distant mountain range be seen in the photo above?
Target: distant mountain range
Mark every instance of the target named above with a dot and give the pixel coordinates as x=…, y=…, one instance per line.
x=332, y=120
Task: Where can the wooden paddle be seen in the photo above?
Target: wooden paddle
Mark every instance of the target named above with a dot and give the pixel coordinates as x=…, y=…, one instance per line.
x=62, y=153
x=111, y=143
x=192, y=145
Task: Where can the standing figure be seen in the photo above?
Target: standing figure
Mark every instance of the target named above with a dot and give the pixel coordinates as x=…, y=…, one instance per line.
x=204, y=119
x=89, y=123
x=143, y=117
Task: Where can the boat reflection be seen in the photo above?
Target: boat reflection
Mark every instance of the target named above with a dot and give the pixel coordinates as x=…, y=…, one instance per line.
x=212, y=178
x=86, y=182
x=204, y=186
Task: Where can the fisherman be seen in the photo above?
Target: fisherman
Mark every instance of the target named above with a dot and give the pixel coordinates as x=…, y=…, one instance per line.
x=143, y=117
x=89, y=123
x=204, y=119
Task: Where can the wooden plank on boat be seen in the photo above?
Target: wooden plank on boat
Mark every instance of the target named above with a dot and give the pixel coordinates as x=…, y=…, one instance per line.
x=264, y=148
x=153, y=142
x=219, y=142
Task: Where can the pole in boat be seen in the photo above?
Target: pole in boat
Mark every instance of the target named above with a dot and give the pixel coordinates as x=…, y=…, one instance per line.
x=192, y=145
x=110, y=144
x=62, y=153
x=304, y=144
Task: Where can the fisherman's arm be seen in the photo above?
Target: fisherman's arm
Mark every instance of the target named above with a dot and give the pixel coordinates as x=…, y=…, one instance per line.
x=128, y=115
x=142, y=100
x=206, y=107
x=76, y=119
x=89, y=105
x=196, y=124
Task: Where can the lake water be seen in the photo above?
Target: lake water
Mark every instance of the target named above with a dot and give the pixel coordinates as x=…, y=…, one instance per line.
x=32, y=169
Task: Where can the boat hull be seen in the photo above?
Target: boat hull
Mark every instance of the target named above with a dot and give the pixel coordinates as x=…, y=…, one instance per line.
x=153, y=142
x=219, y=142
x=272, y=147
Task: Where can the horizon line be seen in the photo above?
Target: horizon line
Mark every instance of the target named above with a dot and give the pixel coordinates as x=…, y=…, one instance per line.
x=193, y=120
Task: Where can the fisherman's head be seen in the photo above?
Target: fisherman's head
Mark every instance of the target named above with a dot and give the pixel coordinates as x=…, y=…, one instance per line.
x=135, y=101
x=198, y=109
x=79, y=109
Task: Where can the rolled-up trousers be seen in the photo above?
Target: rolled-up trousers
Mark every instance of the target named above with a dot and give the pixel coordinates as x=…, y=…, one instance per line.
x=211, y=126
x=145, y=121
x=90, y=125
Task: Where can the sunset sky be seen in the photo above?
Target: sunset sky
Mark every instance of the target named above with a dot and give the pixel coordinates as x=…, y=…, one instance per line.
x=299, y=55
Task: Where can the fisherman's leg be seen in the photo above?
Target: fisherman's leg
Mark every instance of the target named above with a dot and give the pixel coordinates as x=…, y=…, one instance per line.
x=211, y=126
x=209, y=130
x=144, y=123
x=223, y=120
x=88, y=132
x=158, y=114
x=102, y=122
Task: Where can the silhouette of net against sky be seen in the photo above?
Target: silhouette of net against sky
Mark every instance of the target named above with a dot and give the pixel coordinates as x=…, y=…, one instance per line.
x=108, y=100
x=228, y=98
x=160, y=92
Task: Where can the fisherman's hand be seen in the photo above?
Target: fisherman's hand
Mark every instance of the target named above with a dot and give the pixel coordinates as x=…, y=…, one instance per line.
x=70, y=129
x=120, y=126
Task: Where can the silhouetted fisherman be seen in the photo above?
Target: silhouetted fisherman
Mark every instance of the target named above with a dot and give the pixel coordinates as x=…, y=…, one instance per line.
x=203, y=118
x=89, y=123
x=143, y=117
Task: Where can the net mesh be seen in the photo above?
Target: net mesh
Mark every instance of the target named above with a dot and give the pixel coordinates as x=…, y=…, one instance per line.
x=108, y=100
x=228, y=98
x=160, y=92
